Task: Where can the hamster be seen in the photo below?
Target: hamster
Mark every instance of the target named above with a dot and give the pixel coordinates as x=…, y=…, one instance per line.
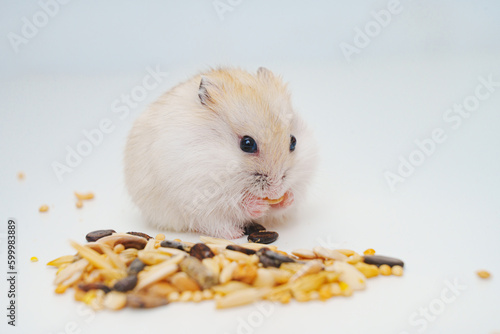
x=219, y=151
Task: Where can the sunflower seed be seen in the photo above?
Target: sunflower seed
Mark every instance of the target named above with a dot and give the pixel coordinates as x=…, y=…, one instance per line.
x=379, y=260
x=252, y=228
x=94, y=286
x=240, y=249
x=126, y=284
x=201, y=251
x=263, y=237
x=140, y=234
x=96, y=235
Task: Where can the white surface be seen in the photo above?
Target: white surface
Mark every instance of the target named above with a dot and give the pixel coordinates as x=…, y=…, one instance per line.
x=443, y=220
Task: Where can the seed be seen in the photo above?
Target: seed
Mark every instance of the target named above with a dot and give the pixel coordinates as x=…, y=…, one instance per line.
x=245, y=273
x=193, y=267
x=140, y=234
x=230, y=287
x=241, y=297
x=174, y=244
x=280, y=276
x=201, y=251
x=96, y=235
x=66, y=259
x=240, y=249
x=379, y=260
x=483, y=274
x=34, y=259
x=162, y=289
x=138, y=300
x=135, y=267
x=227, y=272
x=186, y=296
x=397, y=271
x=263, y=237
x=349, y=274
x=236, y=256
x=369, y=270
x=21, y=176
x=61, y=288
x=369, y=251
x=252, y=228
x=127, y=240
x=311, y=267
x=197, y=297
x=115, y=300
x=268, y=258
x=182, y=282
x=174, y=296
x=43, y=208
x=79, y=204
x=160, y=236
x=207, y=294
x=304, y=253
x=353, y=259
x=264, y=278
x=71, y=273
x=151, y=257
x=211, y=240
x=385, y=270
x=211, y=265
x=326, y=253
x=346, y=252
x=94, y=286
x=86, y=196
x=126, y=284
x=308, y=283
x=118, y=248
x=159, y=272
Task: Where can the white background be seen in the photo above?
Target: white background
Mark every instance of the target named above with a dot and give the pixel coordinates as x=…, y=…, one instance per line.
x=367, y=111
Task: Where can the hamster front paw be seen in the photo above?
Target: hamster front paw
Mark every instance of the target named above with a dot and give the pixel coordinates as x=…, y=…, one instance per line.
x=255, y=207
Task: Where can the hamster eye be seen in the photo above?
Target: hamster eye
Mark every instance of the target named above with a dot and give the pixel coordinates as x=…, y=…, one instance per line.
x=248, y=144
x=293, y=142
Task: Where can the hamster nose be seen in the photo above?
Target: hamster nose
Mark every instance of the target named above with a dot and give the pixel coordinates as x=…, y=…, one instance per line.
x=261, y=176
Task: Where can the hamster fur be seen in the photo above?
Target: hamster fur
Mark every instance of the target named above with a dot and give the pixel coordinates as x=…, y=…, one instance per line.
x=184, y=167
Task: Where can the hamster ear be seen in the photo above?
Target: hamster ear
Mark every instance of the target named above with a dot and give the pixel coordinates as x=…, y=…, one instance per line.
x=264, y=73
x=203, y=92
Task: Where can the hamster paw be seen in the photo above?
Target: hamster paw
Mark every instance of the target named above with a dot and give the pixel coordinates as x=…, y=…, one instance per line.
x=231, y=233
x=254, y=206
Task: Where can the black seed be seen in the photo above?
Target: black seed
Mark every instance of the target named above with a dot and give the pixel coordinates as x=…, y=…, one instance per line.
x=96, y=235
x=252, y=228
x=237, y=248
x=201, y=251
x=135, y=267
x=137, y=243
x=175, y=244
x=126, y=284
x=268, y=258
x=379, y=260
x=140, y=234
x=94, y=286
x=264, y=237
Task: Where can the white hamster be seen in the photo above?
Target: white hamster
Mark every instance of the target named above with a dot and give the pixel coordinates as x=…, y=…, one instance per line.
x=218, y=151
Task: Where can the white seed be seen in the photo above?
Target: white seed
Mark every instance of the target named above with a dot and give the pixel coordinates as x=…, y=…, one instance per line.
x=211, y=240
x=311, y=267
x=264, y=278
x=241, y=297
x=304, y=253
x=115, y=300
x=349, y=274
x=227, y=272
x=326, y=253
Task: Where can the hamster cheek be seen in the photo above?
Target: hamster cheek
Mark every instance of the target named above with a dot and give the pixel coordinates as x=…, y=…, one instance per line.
x=286, y=202
x=254, y=206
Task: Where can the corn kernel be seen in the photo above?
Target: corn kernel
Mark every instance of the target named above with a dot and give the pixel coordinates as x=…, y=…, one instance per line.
x=483, y=274
x=61, y=288
x=369, y=251
x=343, y=286
x=34, y=259
x=79, y=204
x=160, y=236
x=20, y=176
x=86, y=196
x=385, y=270
x=44, y=208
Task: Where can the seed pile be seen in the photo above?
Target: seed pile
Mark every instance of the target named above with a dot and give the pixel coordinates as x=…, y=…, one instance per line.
x=117, y=270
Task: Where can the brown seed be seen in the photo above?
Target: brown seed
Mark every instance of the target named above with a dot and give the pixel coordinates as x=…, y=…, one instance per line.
x=201, y=251
x=199, y=272
x=268, y=258
x=175, y=244
x=252, y=228
x=379, y=260
x=135, y=267
x=140, y=234
x=240, y=249
x=139, y=300
x=264, y=237
x=126, y=284
x=94, y=286
x=96, y=235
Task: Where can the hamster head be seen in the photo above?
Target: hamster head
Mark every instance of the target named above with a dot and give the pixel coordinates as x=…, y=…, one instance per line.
x=271, y=150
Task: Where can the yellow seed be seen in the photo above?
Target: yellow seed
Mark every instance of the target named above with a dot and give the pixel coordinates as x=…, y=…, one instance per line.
x=160, y=236
x=325, y=292
x=285, y=297
x=20, y=176
x=83, y=197
x=197, y=296
x=343, y=286
x=335, y=289
x=79, y=204
x=118, y=248
x=186, y=296
x=174, y=296
x=34, y=259
x=385, y=270
x=369, y=270
x=369, y=251
x=346, y=252
x=61, y=288
x=89, y=297
x=207, y=294
x=483, y=274
x=44, y=208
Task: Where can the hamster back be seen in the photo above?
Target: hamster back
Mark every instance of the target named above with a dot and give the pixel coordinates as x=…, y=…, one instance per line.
x=218, y=151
